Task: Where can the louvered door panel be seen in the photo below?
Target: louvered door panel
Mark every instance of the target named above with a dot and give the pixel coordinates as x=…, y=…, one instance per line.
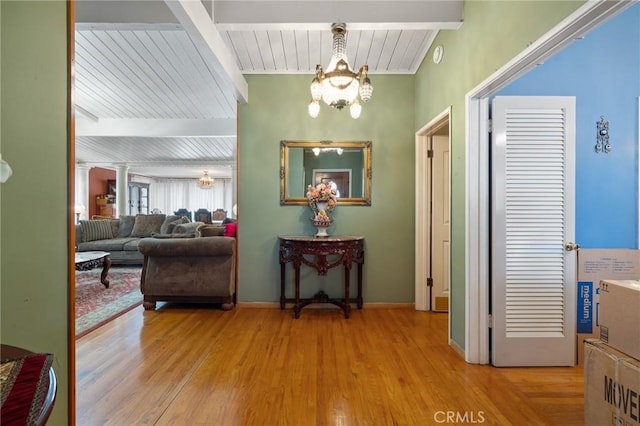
x=533, y=217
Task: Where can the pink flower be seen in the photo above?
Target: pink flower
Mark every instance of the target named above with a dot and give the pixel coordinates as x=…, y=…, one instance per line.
x=321, y=192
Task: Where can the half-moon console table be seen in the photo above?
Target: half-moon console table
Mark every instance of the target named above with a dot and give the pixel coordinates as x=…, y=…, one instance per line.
x=321, y=254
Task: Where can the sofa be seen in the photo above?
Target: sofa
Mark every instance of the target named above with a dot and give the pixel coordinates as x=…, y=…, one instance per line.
x=199, y=270
x=120, y=237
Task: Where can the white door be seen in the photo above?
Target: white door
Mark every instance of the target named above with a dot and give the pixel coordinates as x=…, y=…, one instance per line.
x=440, y=261
x=533, y=276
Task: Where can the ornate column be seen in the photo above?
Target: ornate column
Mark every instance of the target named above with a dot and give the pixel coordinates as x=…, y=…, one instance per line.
x=122, y=189
x=82, y=191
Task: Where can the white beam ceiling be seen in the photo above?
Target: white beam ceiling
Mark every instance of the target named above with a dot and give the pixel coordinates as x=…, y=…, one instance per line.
x=178, y=128
x=196, y=21
x=242, y=15
x=146, y=65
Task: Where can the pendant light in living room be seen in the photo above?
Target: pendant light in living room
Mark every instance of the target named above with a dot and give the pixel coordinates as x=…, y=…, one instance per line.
x=206, y=182
x=339, y=86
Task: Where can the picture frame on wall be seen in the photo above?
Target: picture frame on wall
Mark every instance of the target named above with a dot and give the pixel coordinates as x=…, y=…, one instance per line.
x=341, y=177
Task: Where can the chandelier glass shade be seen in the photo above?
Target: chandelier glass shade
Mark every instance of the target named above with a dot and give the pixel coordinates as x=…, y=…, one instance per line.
x=5, y=170
x=205, y=182
x=339, y=86
x=317, y=151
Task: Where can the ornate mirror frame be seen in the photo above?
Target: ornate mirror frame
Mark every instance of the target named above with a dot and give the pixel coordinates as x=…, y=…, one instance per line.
x=286, y=198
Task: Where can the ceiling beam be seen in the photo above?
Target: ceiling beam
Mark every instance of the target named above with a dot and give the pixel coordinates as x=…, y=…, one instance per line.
x=123, y=11
x=213, y=127
x=198, y=24
x=319, y=15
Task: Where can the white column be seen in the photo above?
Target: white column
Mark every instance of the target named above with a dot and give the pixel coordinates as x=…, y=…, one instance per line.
x=82, y=191
x=122, y=190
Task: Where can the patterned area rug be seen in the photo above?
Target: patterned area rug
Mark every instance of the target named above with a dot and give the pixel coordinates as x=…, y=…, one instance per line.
x=97, y=305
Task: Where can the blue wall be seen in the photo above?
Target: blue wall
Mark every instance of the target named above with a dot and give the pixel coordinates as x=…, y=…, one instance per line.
x=603, y=72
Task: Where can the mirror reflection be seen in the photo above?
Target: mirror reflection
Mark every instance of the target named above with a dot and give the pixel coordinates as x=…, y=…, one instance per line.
x=347, y=165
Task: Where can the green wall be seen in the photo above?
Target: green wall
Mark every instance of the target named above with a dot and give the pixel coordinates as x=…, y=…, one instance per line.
x=277, y=110
x=33, y=202
x=491, y=35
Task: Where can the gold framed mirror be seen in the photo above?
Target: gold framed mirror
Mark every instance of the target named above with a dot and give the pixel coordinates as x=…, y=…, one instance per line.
x=347, y=164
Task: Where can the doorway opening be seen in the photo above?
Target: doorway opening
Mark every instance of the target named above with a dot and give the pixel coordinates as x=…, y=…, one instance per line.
x=433, y=213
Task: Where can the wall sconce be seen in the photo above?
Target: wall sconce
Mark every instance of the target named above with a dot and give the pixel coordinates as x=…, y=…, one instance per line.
x=602, y=136
x=5, y=170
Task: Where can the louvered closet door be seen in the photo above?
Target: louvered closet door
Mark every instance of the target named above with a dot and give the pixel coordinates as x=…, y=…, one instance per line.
x=533, y=277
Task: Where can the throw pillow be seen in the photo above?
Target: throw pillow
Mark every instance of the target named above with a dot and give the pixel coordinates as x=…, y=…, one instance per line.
x=230, y=229
x=115, y=226
x=189, y=228
x=126, y=226
x=173, y=224
x=167, y=221
x=147, y=224
x=210, y=231
x=93, y=230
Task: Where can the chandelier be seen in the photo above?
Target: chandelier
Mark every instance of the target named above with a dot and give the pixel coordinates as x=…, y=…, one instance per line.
x=339, y=86
x=317, y=151
x=206, y=182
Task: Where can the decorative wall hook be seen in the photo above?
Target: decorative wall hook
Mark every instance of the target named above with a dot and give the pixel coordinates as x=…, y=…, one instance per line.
x=602, y=136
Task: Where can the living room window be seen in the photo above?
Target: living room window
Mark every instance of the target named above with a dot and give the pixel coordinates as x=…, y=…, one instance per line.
x=169, y=195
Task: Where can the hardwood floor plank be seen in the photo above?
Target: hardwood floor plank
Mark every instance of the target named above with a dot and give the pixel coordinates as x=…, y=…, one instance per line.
x=259, y=366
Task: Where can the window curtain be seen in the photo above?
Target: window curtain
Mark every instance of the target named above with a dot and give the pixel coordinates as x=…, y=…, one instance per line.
x=169, y=195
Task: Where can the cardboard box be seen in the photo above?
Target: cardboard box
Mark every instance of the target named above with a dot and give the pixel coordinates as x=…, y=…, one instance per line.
x=620, y=315
x=595, y=265
x=611, y=386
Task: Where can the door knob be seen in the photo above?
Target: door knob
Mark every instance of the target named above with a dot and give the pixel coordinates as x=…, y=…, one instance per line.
x=571, y=246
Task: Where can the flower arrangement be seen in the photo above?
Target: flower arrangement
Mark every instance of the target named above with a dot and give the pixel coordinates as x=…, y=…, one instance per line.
x=322, y=199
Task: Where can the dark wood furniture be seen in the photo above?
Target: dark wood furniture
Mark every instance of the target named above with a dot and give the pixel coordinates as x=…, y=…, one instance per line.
x=184, y=212
x=219, y=214
x=321, y=254
x=49, y=386
x=88, y=260
x=202, y=215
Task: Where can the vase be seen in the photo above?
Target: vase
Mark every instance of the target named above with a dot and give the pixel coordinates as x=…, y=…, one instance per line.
x=322, y=205
x=322, y=229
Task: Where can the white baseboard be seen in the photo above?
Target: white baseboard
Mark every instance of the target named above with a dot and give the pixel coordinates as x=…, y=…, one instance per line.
x=276, y=305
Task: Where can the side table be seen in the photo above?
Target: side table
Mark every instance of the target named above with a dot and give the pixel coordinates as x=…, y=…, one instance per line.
x=314, y=252
x=87, y=260
x=29, y=387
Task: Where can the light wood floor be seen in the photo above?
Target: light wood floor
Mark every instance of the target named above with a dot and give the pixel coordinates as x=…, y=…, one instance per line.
x=184, y=365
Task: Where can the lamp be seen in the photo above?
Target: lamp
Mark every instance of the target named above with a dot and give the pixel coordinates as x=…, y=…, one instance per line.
x=339, y=86
x=205, y=182
x=79, y=209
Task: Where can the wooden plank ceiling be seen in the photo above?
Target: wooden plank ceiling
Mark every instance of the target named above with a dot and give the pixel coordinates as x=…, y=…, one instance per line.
x=157, y=83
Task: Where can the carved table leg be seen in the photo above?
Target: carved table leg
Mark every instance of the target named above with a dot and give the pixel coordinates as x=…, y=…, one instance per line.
x=282, y=280
x=359, y=300
x=106, y=264
x=347, y=301
x=296, y=307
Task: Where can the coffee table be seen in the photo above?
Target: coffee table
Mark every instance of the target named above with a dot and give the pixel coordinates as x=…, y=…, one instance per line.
x=87, y=260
